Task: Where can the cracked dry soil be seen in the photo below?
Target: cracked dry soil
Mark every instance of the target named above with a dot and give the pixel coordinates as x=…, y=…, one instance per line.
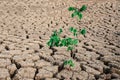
x=26, y=25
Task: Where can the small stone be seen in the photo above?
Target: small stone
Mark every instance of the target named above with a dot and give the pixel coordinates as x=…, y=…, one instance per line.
x=80, y=57
x=90, y=70
x=114, y=64
x=15, y=52
x=17, y=58
x=93, y=55
x=82, y=75
x=76, y=67
x=62, y=51
x=60, y=57
x=64, y=74
x=4, y=73
x=35, y=57
x=26, y=63
x=42, y=73
x=12, y=68
x=4, y=63
x=53, y=69
x=51, y=79
x=26, y=72
x=115, y=75
x=46, y=56
x=42, y=63
x=91, y=77
x=33, y=46
x=108, y=76
x=5, y=55
x=28, y=51
x=110, y=58
x=26, y=79
x=97, y=67
x=115, y=70
x=104, y=52
x=46, y=51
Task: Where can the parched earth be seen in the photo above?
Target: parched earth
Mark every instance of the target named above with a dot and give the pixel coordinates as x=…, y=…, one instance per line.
x=25, y=28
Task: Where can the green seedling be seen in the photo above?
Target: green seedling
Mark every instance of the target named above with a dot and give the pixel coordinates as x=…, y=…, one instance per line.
x=83, y=8
x=54, y=39
x=77, y=12
x=69, y=63
x=83, y=31
x=76, y=32
x=68, y=42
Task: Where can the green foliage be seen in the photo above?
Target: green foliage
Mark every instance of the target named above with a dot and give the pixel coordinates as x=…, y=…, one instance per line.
x=71, y=8
x=80, y=16
x=74, y=14
x=83, y=31
x=73, y=30
x=69, y=48
x=54, y=39
x=77, y=12
x=69, y=62
x=83, y=8
x=68, y=42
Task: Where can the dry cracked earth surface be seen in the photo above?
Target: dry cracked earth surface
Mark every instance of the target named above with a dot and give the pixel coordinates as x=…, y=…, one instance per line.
x=26, y=26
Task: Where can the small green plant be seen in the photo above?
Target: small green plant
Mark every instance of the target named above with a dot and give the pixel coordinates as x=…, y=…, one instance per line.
x=83, y=31
x=55, y=39
x=77, y=12
x=69, y=62
x=76, y=32
x=70, y=43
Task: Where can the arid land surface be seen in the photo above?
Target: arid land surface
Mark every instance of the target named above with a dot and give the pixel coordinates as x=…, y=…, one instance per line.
x=26, y=26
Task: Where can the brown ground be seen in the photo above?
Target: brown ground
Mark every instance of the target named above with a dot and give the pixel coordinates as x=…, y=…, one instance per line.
x=26, y=25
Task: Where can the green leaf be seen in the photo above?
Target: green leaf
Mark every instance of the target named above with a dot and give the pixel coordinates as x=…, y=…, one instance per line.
x=60, y=31
x=72, y=65
x=69, y=62
x=54, y=33
x=69, y=48
x=75, y=41
x=80, y=16
x=71, y=8
x=71, y=29
x=83, y=8
x=54, y=39
x=83, y=31
x=75, y=32
x=68, y=41
x=74, y=14
x=63, y=42
x=49, y=43
x=65, y=62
